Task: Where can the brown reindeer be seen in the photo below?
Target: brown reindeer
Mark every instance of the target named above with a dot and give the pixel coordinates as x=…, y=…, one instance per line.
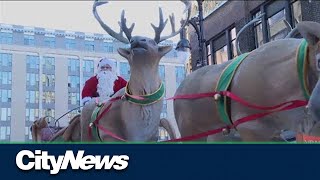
x=130, y=118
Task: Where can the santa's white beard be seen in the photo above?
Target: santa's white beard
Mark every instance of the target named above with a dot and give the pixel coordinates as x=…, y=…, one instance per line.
x=105, y=84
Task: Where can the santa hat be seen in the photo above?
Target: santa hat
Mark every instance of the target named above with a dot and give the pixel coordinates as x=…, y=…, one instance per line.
x=105, y=61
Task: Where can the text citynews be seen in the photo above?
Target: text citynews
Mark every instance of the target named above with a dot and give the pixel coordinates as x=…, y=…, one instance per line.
x=40, y=160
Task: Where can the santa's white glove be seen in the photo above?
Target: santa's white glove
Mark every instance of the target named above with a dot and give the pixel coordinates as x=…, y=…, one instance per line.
x=85, y=100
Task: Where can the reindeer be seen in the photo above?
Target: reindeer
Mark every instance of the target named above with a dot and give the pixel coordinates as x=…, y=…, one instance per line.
x=267, y=76
x=136, y=117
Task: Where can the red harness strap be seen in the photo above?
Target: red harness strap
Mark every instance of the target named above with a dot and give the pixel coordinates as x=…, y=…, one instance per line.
x=96, y=121
x=289, y=105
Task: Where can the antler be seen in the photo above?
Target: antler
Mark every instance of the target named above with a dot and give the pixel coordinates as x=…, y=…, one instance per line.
x=158, y=30
x=123, y=25
x=118, y=36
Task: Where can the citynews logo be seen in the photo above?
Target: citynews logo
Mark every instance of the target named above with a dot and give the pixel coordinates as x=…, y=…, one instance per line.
x=40, y=160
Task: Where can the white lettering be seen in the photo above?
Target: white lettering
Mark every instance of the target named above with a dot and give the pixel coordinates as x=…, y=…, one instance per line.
x=40, y=160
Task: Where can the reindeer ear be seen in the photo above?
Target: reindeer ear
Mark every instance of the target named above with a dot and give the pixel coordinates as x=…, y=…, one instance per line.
x=124, y=52
x=164, y=50
x=310, y=31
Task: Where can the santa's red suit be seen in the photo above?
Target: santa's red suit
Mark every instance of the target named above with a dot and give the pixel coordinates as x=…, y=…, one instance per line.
x=90, y=87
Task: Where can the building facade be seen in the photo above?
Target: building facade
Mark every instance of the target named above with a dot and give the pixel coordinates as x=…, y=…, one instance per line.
x=222, y=25
x=43, y=71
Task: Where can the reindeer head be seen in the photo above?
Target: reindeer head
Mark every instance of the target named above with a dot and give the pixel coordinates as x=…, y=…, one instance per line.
x=143, y=51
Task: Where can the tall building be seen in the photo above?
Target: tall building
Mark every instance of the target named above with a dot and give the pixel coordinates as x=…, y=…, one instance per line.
x=42, y=73
x=222, y=24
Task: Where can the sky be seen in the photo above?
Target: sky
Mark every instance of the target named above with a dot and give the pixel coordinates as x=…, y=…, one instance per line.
x=77, y=15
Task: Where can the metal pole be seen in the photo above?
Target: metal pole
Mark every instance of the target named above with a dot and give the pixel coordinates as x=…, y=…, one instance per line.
x=201, y=48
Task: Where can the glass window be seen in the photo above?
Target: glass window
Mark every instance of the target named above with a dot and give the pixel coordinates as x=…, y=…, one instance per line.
x=296, y=10
x=162, y=73
x=5, y=60
x=89, y=46
x=70, y=44
x=49, y=63
x=125, y=70
x=233, y=35
x=48, y=80
x=32, y=97
x=84, y=79
x=50, y=42
x=74, y=65
x=48, y=97
x=108, y=47
x=5, y=95
x=88, y=66
x=74, y=98
x=32, y=79
x=209, y=54
x=180, y=75
x=5, y=114
x=6, y=38
x=5, y=78
x=48, y=112
x=258, y=31
x=277, y=27
x=74, y=81
x=5, y=133
x=221, y=55
x=33, y=62
x=32, y=114
x=29, y=40
x=163, y=134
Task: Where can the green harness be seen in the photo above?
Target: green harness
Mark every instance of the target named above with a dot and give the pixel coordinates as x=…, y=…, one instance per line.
x=229, y=71
x=144, y=101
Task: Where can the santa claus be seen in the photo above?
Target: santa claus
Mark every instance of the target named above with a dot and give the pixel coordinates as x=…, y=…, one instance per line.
x=104, y=84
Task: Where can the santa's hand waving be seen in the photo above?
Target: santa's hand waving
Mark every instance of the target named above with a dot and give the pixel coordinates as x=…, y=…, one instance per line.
x=104, y=84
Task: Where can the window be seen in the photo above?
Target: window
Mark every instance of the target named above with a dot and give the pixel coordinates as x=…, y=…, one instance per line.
x=5, y=78
x=48, y=97
x=29, y=40
x=233, y=35
x=49, y=63
x=74, y=82
x=6, y=38
x=32, y=79
x=74, y=65
x=5, y=114
x=258, y=31
x=209, y=59
x=125, y=70
x=5, y=60
x=32, y=114
x=32, y=97
x=48, y=112
x=32, y=62
x=74, y=98
x=221, y=55
x=107, y=47
x=162, y=73
x=88, y=66
x=50, y=42
x=48, y=80
x=296, y=12
x=28, y=134
x=4, y=133
x=5, y=95
x=70, y=44
x=89, y=46
x=180, y=75
x=277, y=27
x=163, y=134
x=164, y=110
